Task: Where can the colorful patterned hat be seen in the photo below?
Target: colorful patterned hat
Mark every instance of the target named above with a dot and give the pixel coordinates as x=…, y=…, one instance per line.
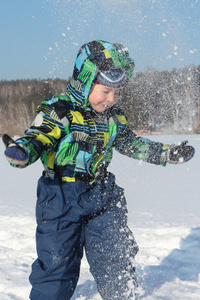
x=113, y=78
x=92, y=59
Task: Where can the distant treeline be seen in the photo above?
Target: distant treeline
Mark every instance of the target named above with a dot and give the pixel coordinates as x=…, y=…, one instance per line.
x=166, y=101
x=20, y=98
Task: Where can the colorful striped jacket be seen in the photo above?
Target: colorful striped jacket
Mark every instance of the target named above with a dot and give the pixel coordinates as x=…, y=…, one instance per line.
x=74, y=142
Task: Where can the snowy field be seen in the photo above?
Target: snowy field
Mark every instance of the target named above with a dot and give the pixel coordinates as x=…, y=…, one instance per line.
x=164, y=215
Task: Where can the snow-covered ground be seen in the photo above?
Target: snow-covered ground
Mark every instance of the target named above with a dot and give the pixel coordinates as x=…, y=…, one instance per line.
x=164, y=215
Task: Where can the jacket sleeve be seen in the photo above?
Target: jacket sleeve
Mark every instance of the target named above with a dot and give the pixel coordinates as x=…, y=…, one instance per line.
x=44, y=134
x=129, y=144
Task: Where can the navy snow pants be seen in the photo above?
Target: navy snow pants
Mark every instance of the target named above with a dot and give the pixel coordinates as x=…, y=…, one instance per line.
x=71, y=216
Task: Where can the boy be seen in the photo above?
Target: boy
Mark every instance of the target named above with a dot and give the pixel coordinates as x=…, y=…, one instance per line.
x=79, y=204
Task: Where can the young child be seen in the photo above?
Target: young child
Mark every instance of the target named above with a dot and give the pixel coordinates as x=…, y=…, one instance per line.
x=79, y=205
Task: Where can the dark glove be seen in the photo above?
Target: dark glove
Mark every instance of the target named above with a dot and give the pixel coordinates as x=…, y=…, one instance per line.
x=15, y=153
x=178, y=154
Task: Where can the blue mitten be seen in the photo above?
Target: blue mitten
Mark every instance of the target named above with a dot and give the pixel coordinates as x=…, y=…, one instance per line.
x=178, y=154
x=15, y=153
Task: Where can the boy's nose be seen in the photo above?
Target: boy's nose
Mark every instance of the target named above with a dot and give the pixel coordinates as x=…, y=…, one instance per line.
x=111, y=97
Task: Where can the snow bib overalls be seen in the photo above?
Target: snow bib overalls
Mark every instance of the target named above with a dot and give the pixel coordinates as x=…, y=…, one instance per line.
x=71, y=216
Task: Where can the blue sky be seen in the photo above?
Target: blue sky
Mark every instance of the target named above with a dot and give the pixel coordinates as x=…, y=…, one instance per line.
x=40, y=38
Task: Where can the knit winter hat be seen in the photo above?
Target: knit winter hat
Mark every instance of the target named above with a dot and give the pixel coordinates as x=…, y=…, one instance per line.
x=113, y=78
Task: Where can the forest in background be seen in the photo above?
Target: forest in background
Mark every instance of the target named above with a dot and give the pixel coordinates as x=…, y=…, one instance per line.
x=154, y=101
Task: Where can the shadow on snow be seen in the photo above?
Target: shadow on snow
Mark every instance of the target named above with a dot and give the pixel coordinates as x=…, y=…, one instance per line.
x=183, y=263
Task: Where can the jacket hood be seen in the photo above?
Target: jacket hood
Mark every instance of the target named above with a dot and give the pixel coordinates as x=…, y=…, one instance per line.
x=92, y=58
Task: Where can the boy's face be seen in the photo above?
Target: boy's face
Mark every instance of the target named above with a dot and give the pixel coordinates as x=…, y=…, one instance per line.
x=103, y=97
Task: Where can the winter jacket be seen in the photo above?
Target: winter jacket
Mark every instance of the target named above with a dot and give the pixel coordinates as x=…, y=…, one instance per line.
x=74, y=142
